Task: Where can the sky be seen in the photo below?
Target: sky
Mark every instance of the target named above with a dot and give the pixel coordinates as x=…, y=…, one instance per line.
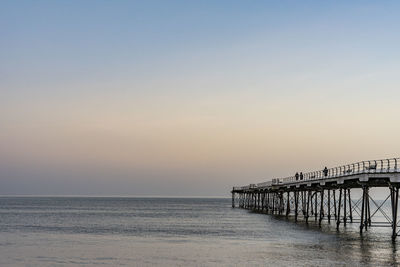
x=190, y=98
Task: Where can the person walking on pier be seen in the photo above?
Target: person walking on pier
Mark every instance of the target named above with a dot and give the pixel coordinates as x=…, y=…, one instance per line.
x=325, y=171
x=297, y=176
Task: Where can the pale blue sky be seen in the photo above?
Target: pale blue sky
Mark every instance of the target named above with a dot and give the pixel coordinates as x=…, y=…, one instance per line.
x=190, y=98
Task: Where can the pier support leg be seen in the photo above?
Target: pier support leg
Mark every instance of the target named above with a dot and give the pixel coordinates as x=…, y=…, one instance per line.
x=350, y=207
x=362, y=210
x=265, y=200
x=296, y=204
x=329, y=206
x=334, y=203
x=312, y=203
x=273, y=202
x=394, y=211
x=316, y=205
x=344, y=206
x=321, y=211
x=260, y=204
x=288, y=204
x=367, y=209
x=308, y=205
x=280, y=199
x=249, y=200
x=233, y=199
x=339, y=205
x=278, y=203
x=262, y=201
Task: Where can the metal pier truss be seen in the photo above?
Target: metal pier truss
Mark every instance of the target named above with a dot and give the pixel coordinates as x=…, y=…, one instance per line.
x=326, y=195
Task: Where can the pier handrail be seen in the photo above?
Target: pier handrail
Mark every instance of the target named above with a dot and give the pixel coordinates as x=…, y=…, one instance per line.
x=362, y=167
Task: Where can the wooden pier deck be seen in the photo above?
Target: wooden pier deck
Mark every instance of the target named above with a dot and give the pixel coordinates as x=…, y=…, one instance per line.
x=326, y=195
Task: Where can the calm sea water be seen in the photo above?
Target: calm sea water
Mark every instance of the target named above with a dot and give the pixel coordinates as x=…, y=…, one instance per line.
x=75, y=231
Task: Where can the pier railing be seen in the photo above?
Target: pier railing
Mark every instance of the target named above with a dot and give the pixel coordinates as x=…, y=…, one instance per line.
x=391, y=165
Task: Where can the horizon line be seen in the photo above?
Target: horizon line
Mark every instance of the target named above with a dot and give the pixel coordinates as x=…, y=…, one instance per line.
x=115, y=196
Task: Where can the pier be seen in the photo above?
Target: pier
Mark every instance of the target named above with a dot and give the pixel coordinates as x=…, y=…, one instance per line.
x=325, y=195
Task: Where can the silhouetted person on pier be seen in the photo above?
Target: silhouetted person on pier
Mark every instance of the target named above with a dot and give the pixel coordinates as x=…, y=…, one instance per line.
x=301, y=176
x=297, y=176
x=325, y=171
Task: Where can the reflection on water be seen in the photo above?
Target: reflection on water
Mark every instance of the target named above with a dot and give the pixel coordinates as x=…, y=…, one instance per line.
x=170, y=232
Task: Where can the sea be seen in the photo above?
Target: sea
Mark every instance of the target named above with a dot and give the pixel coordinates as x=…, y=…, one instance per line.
x=128, y=231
